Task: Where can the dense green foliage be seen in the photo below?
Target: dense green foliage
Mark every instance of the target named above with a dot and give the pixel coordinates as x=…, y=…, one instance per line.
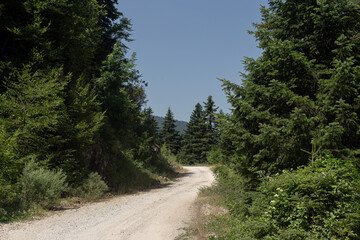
x=211, y=124
x=302, y=94
x=93, y=187
x=201, y=134
x=71, y=101
x=194, y=146
x=299, y=102
x=170, y=136
x=319, y=201
x=39, y=185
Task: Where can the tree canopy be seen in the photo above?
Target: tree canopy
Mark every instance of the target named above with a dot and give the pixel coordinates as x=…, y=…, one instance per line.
x=170, y=136
x=71, y=100
x=301, y=95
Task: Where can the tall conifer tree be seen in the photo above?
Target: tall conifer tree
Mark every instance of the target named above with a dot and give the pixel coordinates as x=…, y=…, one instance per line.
x=170, y=136
x=302, y=94
x=195, y=143
x=212, y=134
x=114, y=28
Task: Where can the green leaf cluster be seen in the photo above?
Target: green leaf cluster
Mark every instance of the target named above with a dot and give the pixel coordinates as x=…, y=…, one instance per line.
x=319, y=201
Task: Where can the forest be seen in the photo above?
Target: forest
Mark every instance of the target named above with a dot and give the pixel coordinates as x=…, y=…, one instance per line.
x=73, y=120
x=72, y=116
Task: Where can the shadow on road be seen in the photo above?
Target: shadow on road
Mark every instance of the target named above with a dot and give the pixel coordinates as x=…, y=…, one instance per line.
x=184, y=174
x=162, y=185
x=174, y=180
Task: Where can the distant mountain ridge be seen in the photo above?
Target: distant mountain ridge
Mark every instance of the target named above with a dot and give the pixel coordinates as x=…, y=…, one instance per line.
x=180, y=125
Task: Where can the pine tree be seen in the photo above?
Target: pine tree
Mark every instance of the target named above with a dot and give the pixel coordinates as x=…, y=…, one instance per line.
x=69, y=97
x=148, y=140
x=32, y=115
x=210, y=123
x=114, y=28
x=302, y=94
x=71, y=34
x=168, y=133
x=195, y=142
x=119, y=89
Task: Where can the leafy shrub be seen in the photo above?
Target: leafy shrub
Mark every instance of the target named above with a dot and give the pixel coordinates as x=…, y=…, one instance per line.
x=182, y=158
x=94, y=187
x=163, y=165
x=39, y=185
x=323, y=198
x=215, y=156
x=9, y=200
x=234, y=190
x=319, y=201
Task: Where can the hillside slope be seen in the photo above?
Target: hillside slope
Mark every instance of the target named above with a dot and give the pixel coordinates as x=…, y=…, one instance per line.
x=180, y=125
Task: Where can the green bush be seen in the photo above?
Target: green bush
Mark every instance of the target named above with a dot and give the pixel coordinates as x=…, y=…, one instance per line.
x=94, y=187
x=319, y=201
x=215, y=156
x=182, y=158
x=41, y=186
x=9, y=200
x=163, y=165
x=322, y=198
x=234, y=190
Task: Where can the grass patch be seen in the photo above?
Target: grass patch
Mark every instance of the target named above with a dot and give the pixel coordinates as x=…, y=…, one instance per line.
x=208, y=209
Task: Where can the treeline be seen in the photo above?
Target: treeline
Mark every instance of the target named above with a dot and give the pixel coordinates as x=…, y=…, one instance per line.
x=71, y=103
x=290, y=149
x=200, y=138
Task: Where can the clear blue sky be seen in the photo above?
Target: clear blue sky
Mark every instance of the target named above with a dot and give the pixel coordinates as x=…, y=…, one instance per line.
x=183, y=46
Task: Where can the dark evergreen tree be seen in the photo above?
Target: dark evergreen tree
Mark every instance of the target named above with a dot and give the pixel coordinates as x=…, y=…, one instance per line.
x=302, y=95
x=170, y=136
x=66, y=32
x=114, y=28
x=212, y=134
x=148, y=148
x=117, y=89
x=88, y=113
x=32, y=114
x=195, y=142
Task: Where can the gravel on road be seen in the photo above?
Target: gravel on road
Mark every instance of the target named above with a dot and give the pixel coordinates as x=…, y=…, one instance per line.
x=159, y=213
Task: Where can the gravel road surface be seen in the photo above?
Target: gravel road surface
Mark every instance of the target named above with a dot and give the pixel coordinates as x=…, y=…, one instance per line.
x=155, y=214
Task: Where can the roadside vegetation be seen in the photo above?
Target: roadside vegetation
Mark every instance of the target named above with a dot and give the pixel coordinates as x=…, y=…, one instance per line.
x=320, y=201
x=73, y=121
x=288, y=153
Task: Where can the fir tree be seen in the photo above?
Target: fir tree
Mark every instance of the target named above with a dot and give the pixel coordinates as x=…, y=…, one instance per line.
x=210, y=123
x=195, y=142
x=32, y=115
x=169, y=135
x=114, y=28
x=87, y=114
x=302, y=94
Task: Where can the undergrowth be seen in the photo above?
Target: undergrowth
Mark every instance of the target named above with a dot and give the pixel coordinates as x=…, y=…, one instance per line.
x=39, y=189
x=318, y=201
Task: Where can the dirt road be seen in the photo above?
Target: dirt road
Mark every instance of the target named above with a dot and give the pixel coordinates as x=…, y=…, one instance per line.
x=156, y=214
